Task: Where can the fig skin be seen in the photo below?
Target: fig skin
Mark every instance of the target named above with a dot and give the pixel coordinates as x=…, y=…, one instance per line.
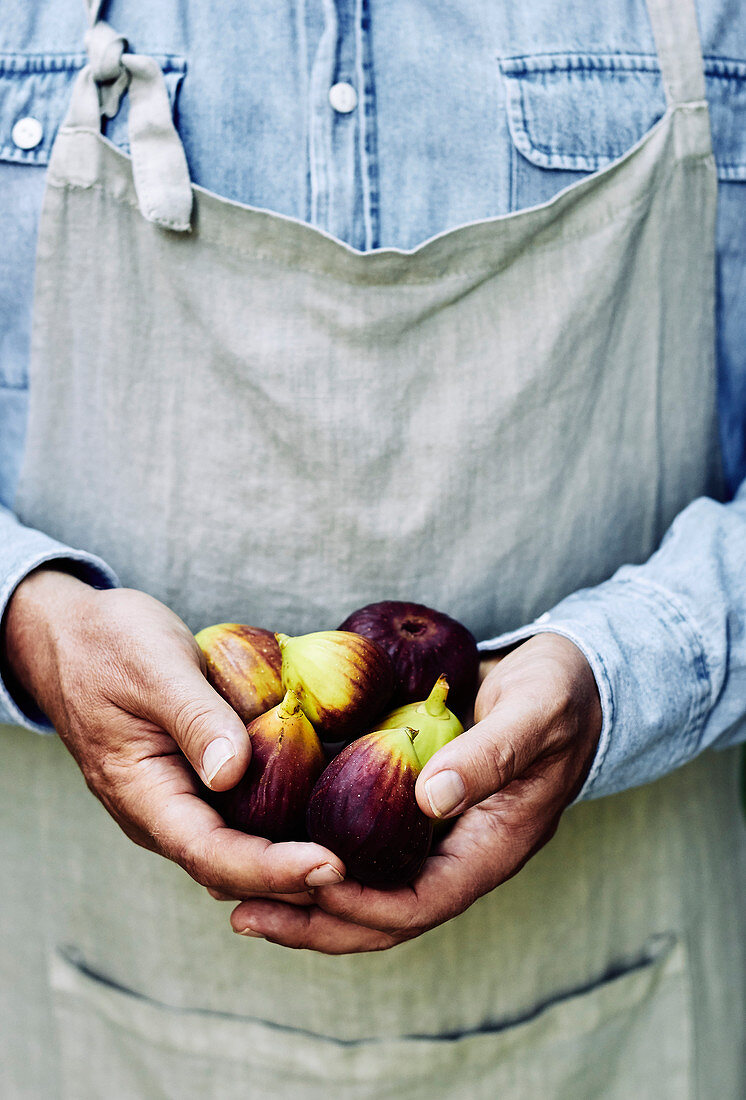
x=271, y=798
x=364, y=810
x=343, y=680
x=422, y=643
x=243, y=664
x=436, y=725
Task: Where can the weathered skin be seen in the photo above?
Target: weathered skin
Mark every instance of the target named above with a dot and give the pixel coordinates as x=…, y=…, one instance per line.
x=243, y=664
x=364, y=809
x=422, y=644
x=343, y=680
x=286, y=761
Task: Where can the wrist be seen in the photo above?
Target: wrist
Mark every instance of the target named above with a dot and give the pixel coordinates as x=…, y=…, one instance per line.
x=39, y=604
x=653, y=676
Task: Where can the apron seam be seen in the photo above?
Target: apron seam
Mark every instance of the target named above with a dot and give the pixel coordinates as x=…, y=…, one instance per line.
x=615, y=971
x=72, y=185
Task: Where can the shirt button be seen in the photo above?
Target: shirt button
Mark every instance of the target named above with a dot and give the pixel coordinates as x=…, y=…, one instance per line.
x=27, y=133
x=343, y=98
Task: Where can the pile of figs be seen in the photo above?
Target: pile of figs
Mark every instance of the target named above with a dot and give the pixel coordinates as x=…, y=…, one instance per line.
x=341, y=724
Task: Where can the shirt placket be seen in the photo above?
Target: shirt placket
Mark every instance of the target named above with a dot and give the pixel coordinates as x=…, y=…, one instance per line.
x=342, y=151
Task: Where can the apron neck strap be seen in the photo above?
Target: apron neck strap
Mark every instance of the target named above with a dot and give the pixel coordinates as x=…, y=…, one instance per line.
x=93, y=7
x=159, y=166
x=677, y=40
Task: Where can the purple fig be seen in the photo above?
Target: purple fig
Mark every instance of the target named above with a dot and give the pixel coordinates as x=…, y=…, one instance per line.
x=243, y=664
x=343, y=680
x=422, y=644
x=286, y=760
x=364, y=809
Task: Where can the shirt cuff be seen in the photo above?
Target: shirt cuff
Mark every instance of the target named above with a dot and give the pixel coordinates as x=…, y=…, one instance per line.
x=28, y=550
x=651, y=670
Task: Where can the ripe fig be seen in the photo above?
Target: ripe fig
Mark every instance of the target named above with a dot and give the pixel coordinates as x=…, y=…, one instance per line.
x=343, y=680
x=436, y=725
x=244, y=666
x=286, y=760
x=421, y=643
x=363, y=808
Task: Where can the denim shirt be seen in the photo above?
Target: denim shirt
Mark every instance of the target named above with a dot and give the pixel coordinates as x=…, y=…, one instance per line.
x=447, y=113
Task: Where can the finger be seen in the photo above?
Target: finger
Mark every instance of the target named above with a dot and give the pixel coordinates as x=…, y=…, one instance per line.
x=524, y=709
x=487, y=846
x=306, y=929
x=305, y=898
x=481, y=761
x=445, y=887
x=160, y=800
x=207, y=730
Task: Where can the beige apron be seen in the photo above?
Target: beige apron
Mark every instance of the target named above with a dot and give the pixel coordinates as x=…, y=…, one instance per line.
x=251, y=420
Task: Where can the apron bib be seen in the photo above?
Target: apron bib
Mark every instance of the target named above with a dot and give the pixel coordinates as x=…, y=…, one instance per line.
x=250, y=420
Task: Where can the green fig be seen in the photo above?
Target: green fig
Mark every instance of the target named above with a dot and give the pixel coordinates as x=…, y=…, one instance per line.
x=343, y=680
x=270, y=800
x=243, y=664
x=436, y=725
x=364, y=809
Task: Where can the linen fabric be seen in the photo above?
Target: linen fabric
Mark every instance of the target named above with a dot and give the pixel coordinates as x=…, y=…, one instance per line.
x=340, y=374
x=505, y=106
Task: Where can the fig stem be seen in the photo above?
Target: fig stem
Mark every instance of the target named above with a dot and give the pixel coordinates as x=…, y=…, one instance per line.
x=282, y=640
x=435, y=704
x=289, y=706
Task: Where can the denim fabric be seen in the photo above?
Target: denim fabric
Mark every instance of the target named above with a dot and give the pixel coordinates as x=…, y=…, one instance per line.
x=464, y=111
x=667, y=650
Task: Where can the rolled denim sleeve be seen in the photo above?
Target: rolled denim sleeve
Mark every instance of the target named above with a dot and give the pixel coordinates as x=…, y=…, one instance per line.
x=666, y=641
x=23, y=549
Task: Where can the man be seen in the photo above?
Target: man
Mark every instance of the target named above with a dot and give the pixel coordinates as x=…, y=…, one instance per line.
x=255, y=415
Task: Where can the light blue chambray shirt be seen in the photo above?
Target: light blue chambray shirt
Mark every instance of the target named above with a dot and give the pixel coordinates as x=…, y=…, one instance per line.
x=447, y=121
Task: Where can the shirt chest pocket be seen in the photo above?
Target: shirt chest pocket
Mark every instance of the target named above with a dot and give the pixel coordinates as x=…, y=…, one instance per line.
x=570, y=115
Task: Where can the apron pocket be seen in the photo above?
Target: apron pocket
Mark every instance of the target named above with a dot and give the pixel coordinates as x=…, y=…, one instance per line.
x=630, y=1035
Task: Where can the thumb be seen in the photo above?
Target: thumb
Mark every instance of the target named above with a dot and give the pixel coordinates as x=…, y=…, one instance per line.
x=206, y=728
x=475, y=765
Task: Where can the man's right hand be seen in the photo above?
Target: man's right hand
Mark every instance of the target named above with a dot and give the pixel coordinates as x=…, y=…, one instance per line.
x=120, y=677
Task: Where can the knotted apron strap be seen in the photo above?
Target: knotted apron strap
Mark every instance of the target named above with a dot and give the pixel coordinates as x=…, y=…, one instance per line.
x=677, y=40
x=94, y=10
x=159, y=166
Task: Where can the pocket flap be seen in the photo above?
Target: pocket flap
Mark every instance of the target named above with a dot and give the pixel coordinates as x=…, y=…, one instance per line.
x=726, y=93
x=583, y=111
x=36, y=88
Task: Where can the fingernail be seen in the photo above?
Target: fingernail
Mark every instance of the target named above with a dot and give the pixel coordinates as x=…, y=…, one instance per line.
x=444, y=792
x=249, y=931
x=325, y=875
x=217, y=753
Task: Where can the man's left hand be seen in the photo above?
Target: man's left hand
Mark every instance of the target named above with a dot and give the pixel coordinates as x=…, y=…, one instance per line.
x=509, y=777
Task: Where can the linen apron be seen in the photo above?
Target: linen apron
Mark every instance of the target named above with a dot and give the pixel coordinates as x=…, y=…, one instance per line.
x=250, y=420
